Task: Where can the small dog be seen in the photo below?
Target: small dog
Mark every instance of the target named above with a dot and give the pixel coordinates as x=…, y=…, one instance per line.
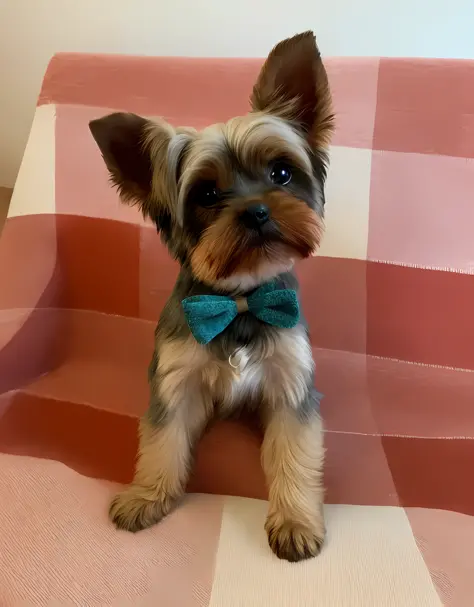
x=236, y=204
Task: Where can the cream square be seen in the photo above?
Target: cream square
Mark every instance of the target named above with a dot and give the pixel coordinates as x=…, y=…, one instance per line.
x=370, y=559
x=34, y=191
x=347, y=203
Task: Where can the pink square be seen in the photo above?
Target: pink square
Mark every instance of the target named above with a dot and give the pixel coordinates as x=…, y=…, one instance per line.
x=357, y=472
x=354, y=89
x=422, y=211
x=82, y=180
x=445, y=540
x=425, y=106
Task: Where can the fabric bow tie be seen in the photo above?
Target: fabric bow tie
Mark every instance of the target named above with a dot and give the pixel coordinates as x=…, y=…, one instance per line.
x=209, y=315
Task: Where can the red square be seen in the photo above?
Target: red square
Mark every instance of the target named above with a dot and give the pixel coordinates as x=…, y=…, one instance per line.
x=432, y=473
x=420, y=315
x=333, y=296
x=99, y=264
x=158, y=273
x=79, y=436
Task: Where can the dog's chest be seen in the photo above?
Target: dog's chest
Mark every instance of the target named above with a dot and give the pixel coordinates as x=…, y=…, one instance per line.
x=234, y=381
x=251, y=373
x=246, y=375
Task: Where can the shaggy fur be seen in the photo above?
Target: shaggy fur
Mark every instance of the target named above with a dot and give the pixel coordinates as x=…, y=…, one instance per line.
x=237, y=204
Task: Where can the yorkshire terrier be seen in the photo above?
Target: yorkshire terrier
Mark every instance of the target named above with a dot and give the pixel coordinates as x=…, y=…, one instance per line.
x=237, y=204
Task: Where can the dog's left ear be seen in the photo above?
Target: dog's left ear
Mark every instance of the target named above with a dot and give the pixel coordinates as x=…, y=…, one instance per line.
x=121, y=139
x=293, y=85
x=136, y=153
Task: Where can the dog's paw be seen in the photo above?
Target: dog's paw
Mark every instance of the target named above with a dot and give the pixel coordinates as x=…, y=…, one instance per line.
x=134, y=510
x=292, y=541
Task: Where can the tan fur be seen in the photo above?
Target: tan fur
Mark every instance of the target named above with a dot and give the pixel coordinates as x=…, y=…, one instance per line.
x=265, y=270
x=293, y=458
x=292, y=452
x=161, y=473
x=165, y=452
x=183, y=366
x=288, y=371
x=192, y=381
x=259, y=138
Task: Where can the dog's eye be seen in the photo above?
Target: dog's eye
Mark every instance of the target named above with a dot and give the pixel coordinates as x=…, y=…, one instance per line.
x=207, y=194
x=281, y=173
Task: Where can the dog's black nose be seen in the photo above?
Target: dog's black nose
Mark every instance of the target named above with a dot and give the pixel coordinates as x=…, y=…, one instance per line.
x=256, y=215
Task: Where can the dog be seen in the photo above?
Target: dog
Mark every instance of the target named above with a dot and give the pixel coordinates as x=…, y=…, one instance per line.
x=237, y=204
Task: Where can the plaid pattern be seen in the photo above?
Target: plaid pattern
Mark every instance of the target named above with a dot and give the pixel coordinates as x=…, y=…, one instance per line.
x=389, y=302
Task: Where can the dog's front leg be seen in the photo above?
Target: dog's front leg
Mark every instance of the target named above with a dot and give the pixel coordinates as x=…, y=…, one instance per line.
x=180, y=408
x=292, y=458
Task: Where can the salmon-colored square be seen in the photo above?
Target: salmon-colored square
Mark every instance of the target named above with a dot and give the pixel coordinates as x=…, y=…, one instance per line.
x=220, y=89
x=333, y=294
x=356, y=471
x=372, y=395
x=99, y=264
x=354, y=90
x=187, y=91
x=158, y=273
x=82, y=179
x=104, y=362
x=92, y=441
x=422, y=210
x=425, y=106
x=420, y=400
x=342, y=378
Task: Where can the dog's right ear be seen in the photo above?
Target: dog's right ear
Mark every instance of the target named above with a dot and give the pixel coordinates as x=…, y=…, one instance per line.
x=293, y=85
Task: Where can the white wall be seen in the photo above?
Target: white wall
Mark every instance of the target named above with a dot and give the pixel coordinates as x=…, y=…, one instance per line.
x=31, y=31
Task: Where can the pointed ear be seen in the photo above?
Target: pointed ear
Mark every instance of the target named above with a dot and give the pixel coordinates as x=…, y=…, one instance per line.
x=121, y=139
x=293, y=85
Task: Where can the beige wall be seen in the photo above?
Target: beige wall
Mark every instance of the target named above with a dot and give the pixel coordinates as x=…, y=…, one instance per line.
x=33, y=30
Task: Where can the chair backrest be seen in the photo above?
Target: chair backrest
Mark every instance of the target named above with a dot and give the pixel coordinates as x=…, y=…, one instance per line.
x=394, y=274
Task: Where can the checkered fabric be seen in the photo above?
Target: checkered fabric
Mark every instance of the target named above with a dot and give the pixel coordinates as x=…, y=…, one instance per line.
x=389, y=301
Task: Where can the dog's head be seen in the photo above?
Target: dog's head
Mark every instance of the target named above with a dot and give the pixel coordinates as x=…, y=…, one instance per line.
x=238, y=203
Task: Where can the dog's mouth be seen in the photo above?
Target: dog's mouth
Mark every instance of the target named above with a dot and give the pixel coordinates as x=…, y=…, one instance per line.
x=272, y=233
x=262, y=236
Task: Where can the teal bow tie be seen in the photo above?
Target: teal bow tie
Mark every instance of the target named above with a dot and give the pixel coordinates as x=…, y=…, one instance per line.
x=209, y=315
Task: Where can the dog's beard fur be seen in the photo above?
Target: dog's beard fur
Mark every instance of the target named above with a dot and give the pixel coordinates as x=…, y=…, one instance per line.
x=230, y=256
x=168, y=173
